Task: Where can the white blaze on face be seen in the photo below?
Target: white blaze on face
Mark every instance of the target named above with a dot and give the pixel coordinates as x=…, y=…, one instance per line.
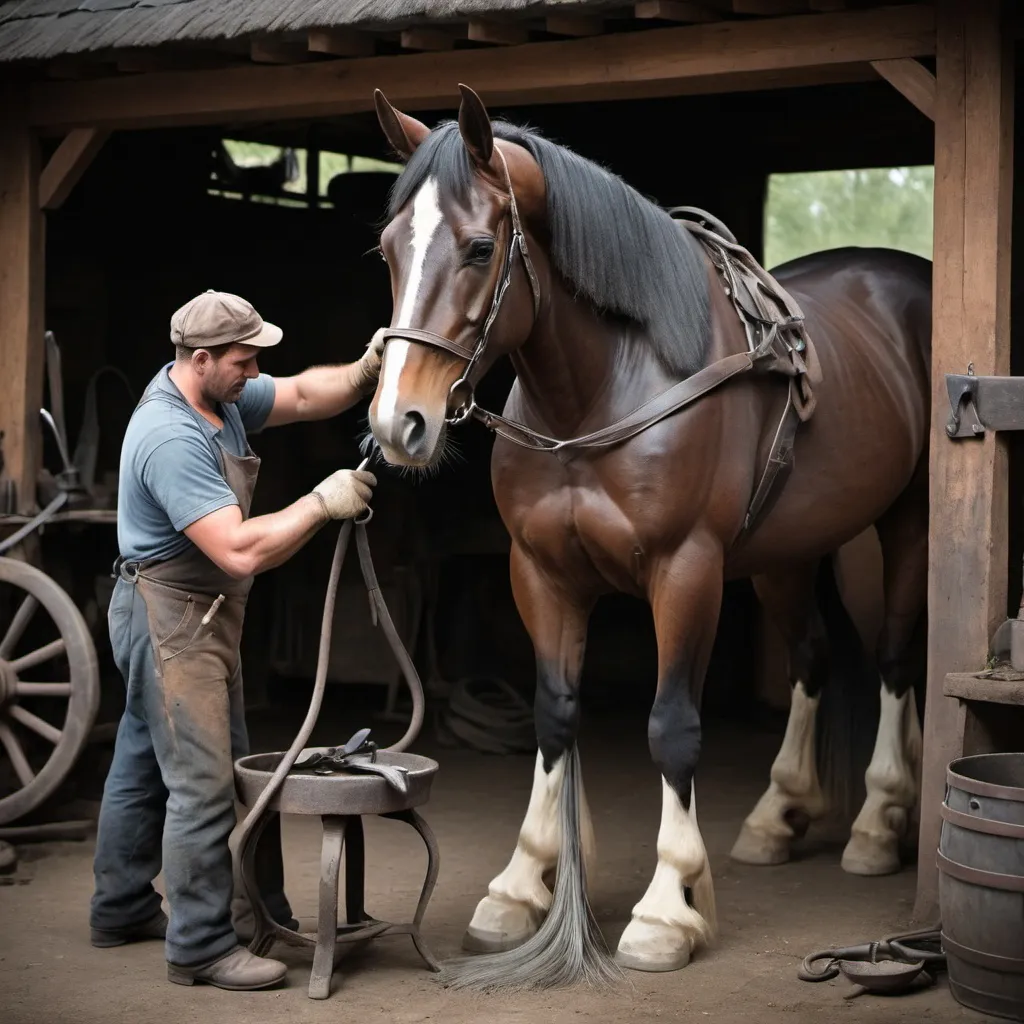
x=426, y=219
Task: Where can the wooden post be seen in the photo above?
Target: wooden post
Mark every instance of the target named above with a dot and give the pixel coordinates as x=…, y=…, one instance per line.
x=968, y=535
x=21, y=300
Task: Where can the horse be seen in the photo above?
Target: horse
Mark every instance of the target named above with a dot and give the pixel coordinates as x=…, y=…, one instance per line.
x=635, y=453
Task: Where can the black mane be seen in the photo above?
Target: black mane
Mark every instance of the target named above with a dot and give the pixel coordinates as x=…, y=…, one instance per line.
x=610, y=244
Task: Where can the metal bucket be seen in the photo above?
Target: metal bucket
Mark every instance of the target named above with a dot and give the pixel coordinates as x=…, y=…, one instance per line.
x=981, y=882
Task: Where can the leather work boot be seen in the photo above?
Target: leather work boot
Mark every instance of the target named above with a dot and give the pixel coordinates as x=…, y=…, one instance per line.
x=237, y=971
x=154, y=928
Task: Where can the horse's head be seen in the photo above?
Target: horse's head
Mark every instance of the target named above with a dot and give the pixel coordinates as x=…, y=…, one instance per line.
x=464, y=273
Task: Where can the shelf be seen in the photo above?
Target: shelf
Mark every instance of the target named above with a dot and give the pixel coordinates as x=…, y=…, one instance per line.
x=979, y=687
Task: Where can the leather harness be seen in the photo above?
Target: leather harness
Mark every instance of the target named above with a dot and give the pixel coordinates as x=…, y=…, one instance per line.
x=777, y=342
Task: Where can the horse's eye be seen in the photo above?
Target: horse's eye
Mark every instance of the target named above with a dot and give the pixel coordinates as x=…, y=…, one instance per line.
x=480, y=251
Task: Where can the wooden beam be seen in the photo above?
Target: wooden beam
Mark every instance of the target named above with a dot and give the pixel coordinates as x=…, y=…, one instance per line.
x=911, y=78
x=674, y=10
x=22, y=273
x=427, y=39
x=655, y=62
x=278, y=51
x=828, y=5
x=340, y=42
x=68, y=163
x=138, y=62
x=769, y=7
x=498, y=33
x=968, y=531
x=579, y=25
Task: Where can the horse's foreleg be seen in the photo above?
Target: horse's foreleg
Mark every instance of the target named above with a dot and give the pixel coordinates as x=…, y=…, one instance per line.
x=893, y=776
x=677, y=913
x=794, y=797
x=518, y=898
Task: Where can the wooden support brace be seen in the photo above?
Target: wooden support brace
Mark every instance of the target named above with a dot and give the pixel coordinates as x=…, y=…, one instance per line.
x=341, y=42
x=67, y=165
x=573, y=25
x=911, y=78
x=674, y=10
x=498, y=33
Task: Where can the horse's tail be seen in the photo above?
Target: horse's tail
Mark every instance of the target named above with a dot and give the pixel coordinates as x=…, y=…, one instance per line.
x=568, y=948
x=847, y=720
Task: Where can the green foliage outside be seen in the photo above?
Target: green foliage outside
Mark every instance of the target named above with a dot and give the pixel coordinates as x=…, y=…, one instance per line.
x=887, y=206
x=257, y=154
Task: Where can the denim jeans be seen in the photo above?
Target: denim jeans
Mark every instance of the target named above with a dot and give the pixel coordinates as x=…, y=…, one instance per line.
x=169, y=798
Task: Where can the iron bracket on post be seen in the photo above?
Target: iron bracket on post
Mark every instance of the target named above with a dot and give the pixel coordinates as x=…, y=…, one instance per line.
x=979, y=404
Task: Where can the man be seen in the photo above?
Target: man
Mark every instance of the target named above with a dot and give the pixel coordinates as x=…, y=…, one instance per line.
x=188, y=555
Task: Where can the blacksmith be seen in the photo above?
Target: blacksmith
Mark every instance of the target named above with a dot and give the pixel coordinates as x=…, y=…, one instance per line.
x=188, y=555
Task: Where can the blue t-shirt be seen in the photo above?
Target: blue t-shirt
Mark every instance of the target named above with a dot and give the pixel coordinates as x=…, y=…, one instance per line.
x=170, y=474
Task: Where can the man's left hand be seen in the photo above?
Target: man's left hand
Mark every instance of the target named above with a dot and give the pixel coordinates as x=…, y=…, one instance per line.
x=367, y=370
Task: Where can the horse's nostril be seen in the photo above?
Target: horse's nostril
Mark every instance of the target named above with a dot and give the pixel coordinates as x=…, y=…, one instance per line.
x=413, y=429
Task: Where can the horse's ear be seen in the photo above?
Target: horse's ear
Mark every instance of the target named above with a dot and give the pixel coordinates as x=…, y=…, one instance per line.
x=404, y=133
x=475, y=126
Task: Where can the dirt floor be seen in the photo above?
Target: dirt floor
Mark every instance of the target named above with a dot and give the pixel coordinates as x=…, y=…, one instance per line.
x=770, y=917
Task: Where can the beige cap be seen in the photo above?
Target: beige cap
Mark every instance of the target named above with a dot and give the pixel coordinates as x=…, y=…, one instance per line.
x=220, y=318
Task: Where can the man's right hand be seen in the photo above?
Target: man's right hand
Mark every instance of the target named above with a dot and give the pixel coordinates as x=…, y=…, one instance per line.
x=346, y=493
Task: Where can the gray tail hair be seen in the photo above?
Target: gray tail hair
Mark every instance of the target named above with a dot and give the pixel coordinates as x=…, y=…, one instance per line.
x=568, y=948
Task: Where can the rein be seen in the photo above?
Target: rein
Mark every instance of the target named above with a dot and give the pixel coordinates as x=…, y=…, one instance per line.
x=776, y=343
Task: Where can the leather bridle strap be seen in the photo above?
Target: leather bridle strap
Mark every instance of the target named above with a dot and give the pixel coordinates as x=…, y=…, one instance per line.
x=462, y=390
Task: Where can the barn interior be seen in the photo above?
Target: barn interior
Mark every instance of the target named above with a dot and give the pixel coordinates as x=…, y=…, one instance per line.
x=160, y=215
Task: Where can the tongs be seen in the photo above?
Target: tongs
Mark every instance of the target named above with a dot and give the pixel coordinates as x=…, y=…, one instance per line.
x=358, y=754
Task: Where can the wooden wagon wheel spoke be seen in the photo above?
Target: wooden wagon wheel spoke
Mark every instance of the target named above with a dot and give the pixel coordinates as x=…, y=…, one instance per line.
x=42, y=689
x=38, y=657
x=17, y=626
x=35, y=723
x=17, y=755
x=40, y=762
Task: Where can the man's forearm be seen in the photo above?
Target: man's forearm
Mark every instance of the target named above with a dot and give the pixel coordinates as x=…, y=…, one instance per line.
x=326, y=391
x=265, y=542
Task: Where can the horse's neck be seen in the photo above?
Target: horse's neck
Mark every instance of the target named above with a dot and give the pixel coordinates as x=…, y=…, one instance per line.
x=578, y=369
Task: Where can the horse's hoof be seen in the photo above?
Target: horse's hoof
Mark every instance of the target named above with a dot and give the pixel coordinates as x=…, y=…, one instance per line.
x=500, y=924
x=761, y=848
x=651, y=946
x=474, y=941
x=871, y=855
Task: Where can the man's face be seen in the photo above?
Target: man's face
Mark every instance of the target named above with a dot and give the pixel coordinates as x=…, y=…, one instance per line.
x=223, y=375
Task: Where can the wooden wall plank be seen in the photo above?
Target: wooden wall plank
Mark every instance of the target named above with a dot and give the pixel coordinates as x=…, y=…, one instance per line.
x=968, y=535
x=21, y=301
x=662, y=60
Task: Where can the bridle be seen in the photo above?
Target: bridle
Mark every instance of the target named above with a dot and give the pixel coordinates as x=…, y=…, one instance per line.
x=461, y=395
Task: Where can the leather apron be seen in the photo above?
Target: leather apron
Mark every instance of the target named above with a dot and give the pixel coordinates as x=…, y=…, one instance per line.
x=195, y=610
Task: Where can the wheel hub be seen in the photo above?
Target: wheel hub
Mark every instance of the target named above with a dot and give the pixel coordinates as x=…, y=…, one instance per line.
x=8, y=683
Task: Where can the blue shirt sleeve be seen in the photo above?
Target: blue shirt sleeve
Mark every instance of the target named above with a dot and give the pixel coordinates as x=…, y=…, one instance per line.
x=184, y=478
x=256, y=402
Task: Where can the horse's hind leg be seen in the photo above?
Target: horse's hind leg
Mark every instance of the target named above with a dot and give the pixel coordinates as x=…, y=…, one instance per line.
x=677, y=913
x=893, y=776
x=794, y=797
x=518, y=899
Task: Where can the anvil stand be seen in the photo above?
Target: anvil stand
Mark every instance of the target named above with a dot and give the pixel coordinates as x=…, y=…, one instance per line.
x=265, y=785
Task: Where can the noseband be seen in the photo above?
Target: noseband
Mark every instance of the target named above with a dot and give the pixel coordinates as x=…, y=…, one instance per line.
x=461, y=396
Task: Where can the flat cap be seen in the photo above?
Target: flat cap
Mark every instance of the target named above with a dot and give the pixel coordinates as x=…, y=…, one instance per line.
x=220, y=318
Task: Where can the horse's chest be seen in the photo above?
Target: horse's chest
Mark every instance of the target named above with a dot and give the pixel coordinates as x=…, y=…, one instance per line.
x=581, y=529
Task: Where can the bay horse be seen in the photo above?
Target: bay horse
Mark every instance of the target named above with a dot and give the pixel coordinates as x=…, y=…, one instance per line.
x=502, y=243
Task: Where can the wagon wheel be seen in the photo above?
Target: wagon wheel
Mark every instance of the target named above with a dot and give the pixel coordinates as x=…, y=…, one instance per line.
x=44, y=724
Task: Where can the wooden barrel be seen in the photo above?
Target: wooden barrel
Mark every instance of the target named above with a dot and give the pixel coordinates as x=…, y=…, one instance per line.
x=981, y=882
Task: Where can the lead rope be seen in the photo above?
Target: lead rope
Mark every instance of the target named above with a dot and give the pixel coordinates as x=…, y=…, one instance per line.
x=405, y=662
